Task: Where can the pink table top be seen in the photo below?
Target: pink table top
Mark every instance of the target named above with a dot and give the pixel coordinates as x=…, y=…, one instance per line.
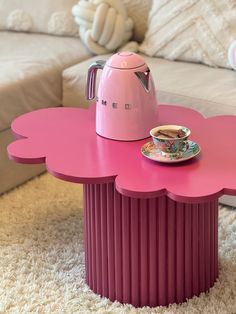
x=65, y=139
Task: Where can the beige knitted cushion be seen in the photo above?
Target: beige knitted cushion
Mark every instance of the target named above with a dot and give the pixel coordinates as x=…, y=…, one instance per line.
x=191, y=30
x=42, y=16
x=104, y=24
x=138, y=10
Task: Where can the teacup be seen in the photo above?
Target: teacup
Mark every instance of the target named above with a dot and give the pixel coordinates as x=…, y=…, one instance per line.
x=170, y=140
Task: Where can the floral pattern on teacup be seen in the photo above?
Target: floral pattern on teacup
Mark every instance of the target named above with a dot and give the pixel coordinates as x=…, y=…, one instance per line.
x=149, y=150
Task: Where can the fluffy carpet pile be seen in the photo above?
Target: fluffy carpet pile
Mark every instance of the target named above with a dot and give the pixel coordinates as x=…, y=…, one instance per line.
x=42, y=257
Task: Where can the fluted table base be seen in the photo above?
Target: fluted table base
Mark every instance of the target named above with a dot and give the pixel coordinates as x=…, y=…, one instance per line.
x=148, y=251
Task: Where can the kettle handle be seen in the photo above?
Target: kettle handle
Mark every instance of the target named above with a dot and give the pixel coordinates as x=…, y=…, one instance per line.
x=91, y=78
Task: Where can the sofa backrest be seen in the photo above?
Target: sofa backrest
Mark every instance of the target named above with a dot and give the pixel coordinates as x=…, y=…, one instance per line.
x=44, y=16
x=54, y=17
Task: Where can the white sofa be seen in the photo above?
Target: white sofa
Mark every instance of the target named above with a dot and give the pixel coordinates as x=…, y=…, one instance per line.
x=44, y=71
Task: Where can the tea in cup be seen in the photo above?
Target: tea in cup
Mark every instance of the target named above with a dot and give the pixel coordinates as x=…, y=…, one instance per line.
x=170, y=140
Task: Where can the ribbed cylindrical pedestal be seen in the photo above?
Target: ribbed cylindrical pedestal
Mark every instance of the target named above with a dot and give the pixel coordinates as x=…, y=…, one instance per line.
x=148, y=251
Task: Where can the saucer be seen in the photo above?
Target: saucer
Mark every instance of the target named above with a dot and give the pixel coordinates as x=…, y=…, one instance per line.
x=149, y=151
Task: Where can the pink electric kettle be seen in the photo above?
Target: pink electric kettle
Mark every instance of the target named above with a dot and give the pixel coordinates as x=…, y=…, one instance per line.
x=126, y=101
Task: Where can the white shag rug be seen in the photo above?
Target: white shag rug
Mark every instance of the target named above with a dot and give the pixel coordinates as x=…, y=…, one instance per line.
x=42, y=257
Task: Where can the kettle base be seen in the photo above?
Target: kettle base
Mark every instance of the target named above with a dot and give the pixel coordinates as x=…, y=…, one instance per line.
x=125, y=139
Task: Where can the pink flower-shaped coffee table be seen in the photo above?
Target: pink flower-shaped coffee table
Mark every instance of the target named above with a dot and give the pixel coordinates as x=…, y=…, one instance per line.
x=150, y=229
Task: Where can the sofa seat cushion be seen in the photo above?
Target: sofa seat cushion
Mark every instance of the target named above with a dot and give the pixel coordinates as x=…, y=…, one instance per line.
x=30, y=71
x=211, y=91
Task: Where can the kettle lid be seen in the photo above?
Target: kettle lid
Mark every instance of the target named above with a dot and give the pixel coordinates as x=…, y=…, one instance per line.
x=125, y=60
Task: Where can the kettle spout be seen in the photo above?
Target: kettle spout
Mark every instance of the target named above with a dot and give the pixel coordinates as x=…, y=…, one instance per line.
x=144, y=78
